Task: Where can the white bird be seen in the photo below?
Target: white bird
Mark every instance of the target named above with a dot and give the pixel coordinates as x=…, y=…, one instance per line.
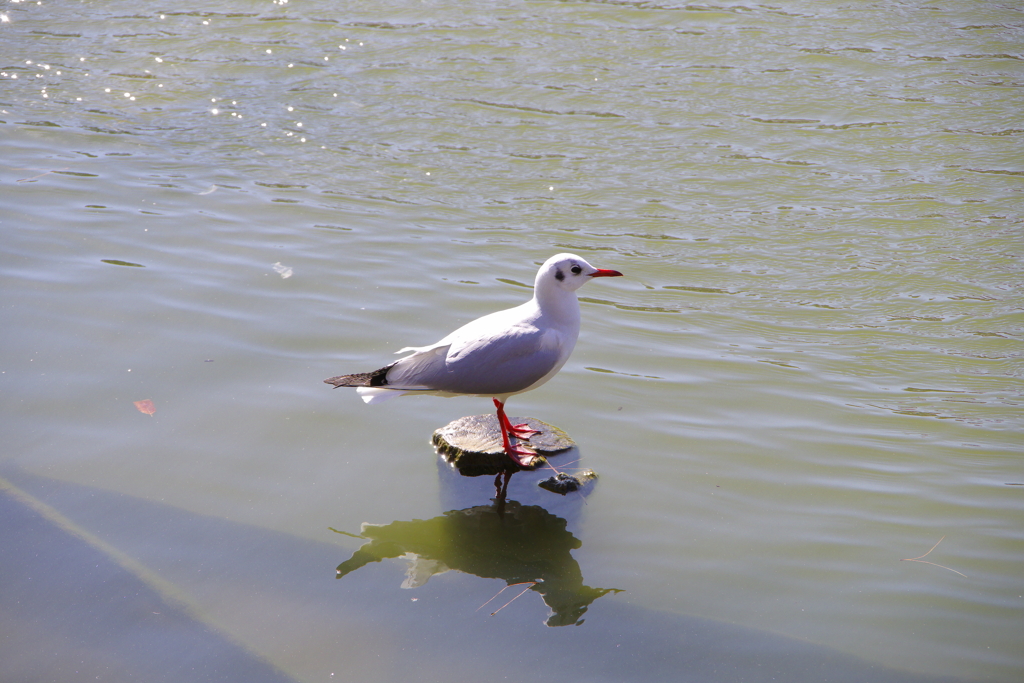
x=497, y=356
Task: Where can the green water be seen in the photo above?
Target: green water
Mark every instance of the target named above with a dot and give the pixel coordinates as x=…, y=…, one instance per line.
x=811, y=371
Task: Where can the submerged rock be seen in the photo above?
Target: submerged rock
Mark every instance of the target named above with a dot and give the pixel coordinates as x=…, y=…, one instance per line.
x=473, y=444
x=563, y=483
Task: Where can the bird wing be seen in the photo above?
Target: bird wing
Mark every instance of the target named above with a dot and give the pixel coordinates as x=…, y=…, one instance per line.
x=502, y=353
x=418, y=372
x=504, y=362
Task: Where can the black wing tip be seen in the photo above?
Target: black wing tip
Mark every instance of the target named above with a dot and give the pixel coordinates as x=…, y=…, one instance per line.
x=361, y=379
x=377, y=378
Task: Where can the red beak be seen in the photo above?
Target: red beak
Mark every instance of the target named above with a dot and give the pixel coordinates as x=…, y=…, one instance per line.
x=606, y=273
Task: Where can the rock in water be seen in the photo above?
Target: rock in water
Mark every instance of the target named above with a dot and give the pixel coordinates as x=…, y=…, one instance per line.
x=563, y=483
x=473, y=444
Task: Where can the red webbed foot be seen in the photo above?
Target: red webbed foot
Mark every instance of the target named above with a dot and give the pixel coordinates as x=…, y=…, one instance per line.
x=520, y=455
x=522, y=431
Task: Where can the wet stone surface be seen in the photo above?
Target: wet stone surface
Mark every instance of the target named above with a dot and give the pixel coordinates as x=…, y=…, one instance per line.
x=473, y=444
x=563, y=483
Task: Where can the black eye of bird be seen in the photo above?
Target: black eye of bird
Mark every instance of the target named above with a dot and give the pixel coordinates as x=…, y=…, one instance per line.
x=576, y=270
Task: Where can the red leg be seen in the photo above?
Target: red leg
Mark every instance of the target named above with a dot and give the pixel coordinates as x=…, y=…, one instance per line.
x=520, y=431
x=520, y=455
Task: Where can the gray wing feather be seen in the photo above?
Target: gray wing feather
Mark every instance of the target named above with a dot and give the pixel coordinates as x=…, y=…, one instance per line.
x=501, y=364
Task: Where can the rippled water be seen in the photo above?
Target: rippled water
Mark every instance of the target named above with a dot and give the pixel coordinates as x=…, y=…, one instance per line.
x=812, y=371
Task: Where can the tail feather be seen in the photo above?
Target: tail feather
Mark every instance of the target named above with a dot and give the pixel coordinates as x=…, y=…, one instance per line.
x=377, y=378
x=379, y=394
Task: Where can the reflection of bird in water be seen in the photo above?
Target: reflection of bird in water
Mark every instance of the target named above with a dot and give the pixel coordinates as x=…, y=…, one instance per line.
x=497, y=356
x=525, y=544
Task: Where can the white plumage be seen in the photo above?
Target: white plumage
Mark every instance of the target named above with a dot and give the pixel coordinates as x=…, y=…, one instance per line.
x=499, y=355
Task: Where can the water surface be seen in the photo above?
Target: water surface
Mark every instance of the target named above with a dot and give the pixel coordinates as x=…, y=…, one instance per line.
x=811, y=371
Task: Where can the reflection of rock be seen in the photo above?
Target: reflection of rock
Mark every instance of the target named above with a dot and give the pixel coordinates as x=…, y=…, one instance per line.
x=473, y=444
x=524, y=544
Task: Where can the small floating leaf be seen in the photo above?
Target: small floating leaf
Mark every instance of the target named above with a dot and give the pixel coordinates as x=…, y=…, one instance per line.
x=115, y=262
x=146, y=406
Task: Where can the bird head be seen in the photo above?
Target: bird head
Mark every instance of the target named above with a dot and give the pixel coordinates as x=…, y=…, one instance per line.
x=568, y=272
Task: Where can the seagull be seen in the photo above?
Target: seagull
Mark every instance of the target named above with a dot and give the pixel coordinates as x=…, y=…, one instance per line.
x=497, y=356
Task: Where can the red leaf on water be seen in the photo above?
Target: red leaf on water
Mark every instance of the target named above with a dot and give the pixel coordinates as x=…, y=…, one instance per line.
x=146, y=407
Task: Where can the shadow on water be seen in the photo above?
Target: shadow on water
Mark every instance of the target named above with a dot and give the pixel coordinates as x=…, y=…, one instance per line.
x=99, y=584
x=519, y=544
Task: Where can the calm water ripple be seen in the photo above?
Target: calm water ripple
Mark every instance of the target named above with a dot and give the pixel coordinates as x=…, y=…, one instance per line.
x=812, y=371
